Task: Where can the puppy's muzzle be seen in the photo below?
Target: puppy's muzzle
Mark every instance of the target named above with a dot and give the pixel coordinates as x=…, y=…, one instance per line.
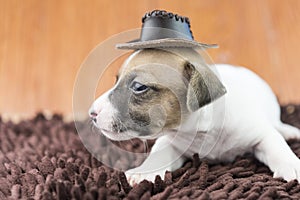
x=93, y=116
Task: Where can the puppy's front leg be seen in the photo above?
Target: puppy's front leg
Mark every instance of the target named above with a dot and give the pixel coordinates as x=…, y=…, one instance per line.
x=162, y=157
x=275, y=152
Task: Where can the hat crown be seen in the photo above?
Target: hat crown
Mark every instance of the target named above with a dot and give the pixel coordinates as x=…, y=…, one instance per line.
x=160, y=24
x=162, y=29
x=163, y=13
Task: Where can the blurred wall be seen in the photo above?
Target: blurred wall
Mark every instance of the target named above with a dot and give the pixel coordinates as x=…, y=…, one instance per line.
x=43, y=43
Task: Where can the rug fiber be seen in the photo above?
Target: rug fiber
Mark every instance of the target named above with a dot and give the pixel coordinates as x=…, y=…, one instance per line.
x=44, y=159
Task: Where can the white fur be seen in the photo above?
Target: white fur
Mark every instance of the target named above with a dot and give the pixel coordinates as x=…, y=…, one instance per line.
x=251, y=123
x=104, y=115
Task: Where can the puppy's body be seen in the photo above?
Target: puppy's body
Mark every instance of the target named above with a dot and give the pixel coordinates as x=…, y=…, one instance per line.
x=245, y=119
x=250, y=106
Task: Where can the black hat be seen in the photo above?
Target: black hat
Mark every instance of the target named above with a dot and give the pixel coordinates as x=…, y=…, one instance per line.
x=163, y=29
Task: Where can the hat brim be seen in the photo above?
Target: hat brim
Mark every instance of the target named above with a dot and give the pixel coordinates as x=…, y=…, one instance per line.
x=165, y=43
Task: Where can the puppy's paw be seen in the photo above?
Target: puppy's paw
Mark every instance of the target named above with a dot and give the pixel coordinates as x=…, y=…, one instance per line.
x=288, y=170
x=136, y=175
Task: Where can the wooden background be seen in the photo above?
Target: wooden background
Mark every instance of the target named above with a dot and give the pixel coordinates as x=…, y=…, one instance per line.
x=43, y=43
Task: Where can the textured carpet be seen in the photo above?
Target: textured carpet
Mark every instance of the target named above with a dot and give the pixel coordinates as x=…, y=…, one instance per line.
x=45, y=159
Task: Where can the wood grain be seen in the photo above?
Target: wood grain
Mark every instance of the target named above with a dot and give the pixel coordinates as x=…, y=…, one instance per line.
x=43, y=43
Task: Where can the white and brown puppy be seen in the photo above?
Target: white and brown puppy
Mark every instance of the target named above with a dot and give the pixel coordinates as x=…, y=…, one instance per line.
x=174, y=96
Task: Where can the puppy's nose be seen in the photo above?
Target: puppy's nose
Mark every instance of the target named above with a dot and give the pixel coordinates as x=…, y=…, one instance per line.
x=93, y=116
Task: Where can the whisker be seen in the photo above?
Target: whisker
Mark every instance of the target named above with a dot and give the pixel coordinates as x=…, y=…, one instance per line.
x=126, y=130
x=123, y=126
x=146, y=147
x=93, y=128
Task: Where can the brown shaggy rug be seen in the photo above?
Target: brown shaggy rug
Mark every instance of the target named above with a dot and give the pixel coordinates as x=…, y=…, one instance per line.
x=45, y=159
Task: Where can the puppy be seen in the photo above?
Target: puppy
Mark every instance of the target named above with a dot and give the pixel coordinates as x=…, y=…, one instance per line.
x=173, y=95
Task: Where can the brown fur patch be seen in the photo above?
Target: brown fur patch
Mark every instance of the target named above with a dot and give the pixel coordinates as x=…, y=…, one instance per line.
x=140, y=108
x=158, y=108
x=166, y=103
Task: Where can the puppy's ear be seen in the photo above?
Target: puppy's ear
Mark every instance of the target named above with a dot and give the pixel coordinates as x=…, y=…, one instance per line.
x=204, y=86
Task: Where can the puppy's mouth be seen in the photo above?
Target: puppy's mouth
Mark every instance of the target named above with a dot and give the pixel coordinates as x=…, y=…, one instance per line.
x=116, y=136
x=126, y=135
x=109, y=134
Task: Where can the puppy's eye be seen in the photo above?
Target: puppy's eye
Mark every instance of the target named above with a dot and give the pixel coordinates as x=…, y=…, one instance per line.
x=138, y=88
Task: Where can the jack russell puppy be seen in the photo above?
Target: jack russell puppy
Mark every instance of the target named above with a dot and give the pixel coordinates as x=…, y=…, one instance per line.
x=174, y=96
